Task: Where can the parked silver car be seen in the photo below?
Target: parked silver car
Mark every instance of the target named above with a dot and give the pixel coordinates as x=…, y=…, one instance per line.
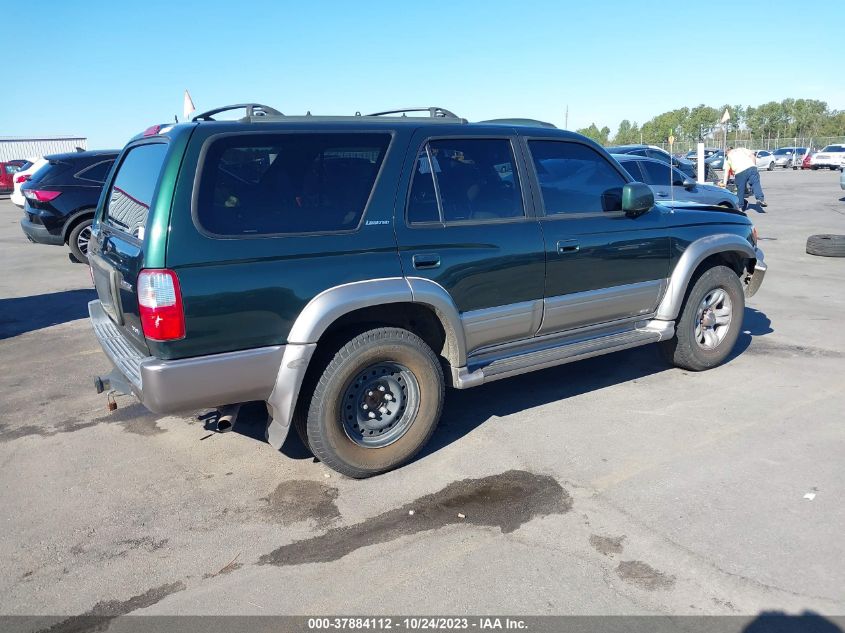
x=788, y=157
x=765, y=159
x=655, y=174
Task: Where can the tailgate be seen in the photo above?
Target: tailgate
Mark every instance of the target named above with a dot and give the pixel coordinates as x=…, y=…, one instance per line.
x=117, y=252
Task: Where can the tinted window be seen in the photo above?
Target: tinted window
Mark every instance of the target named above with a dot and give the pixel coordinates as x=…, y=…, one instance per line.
x=658, y=174
x=633, y=169
x=96, y=172
x=657, y=155
x=762, y=154
x=132, y=190
x=834, y=148
x=475, y=179
x=288, y=183
x=574, y=178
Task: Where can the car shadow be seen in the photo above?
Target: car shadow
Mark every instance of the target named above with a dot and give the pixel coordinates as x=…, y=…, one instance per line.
x=756, y=207
x=781, y=622
x=19, y=315
x=465, y=410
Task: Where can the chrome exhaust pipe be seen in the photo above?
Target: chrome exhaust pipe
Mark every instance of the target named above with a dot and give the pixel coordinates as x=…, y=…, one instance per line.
x=227, y=418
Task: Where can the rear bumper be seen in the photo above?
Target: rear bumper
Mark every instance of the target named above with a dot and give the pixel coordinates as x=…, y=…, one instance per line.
x=754, y=282
x=166, y=386
x=39, y=233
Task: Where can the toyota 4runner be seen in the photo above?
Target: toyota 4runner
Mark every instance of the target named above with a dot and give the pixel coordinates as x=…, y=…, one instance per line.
x=345, y=270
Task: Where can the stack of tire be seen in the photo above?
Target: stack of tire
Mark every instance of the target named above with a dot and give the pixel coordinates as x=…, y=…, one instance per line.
x=826, y=245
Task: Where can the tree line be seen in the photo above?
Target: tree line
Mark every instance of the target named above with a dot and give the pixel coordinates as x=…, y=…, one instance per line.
x=786, y=119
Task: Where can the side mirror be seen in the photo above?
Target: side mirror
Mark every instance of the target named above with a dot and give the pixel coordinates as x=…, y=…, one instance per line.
x=689, y=184
x=637, y=198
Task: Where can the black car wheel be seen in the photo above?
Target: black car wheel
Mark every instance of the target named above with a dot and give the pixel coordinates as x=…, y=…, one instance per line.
x=376, y=404
x=78, y=240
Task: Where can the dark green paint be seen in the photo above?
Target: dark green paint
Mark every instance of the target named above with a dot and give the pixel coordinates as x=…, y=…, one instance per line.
x=246, y=292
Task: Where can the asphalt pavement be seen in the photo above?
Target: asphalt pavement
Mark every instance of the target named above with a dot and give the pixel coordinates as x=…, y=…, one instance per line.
x=617, y=485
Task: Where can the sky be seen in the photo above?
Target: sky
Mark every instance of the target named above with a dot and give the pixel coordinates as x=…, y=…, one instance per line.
x=107, y=70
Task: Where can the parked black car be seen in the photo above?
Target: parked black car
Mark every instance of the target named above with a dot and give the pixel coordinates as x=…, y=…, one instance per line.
x=61, y=199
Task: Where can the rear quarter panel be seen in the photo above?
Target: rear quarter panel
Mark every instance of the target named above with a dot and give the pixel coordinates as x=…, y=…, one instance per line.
x=246, y=292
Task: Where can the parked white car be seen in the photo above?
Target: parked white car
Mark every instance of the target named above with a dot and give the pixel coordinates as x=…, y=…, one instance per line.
x=21, y=177
x=765, y=159
x=832, y=157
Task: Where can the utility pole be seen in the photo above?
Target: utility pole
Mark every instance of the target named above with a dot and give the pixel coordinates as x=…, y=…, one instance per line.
x=566, y=120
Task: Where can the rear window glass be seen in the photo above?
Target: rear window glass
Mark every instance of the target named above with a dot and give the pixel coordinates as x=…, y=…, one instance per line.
x=834, y=148
x=132, y=190
x=288, y=183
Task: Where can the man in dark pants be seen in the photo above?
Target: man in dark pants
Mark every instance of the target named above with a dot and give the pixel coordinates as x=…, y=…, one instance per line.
x=743, y=162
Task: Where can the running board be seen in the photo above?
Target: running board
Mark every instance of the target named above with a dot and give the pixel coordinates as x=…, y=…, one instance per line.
x=537, y=354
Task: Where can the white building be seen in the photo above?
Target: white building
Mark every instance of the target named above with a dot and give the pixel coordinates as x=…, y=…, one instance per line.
x=12, y=147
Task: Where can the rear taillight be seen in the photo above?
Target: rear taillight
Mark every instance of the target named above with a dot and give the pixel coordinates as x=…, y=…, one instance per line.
x=22, y=178
x=160, y=305
x=42, y=195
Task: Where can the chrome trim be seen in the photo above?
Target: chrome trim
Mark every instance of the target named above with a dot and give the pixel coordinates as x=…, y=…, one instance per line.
x=501, y=323
x=693, y=255
x=166, y=386
x=532, y=356
x=755, y=279
x=565, y=312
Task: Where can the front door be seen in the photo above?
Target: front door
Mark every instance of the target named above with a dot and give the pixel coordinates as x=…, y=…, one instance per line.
x=465, y=224
x=602, y=265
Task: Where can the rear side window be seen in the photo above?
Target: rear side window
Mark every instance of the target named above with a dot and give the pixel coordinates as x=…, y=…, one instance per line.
x=574, y=178
x=288, y=183
x=96, y=172
x=133, y=187
x=657, y=174
x=459, y=180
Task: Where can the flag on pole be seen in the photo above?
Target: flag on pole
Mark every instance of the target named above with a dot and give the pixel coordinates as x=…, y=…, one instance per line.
x=188, y=106
x=725, y=117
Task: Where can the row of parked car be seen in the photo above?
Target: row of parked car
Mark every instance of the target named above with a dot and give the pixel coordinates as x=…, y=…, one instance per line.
x=830, y=157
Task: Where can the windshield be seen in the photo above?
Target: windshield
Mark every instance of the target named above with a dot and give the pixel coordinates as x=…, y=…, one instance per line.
x=834, y=148
x=782, y=151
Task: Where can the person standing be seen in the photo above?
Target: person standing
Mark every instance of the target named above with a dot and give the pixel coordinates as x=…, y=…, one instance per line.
x=744, y=165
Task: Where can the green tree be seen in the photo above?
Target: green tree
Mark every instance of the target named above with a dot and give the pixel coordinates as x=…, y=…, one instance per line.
x=600, y=136
x=627, y=133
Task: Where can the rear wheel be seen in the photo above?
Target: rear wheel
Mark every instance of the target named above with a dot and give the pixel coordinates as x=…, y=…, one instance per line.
x=376, y=404
x=709, y=322
x=79, y=239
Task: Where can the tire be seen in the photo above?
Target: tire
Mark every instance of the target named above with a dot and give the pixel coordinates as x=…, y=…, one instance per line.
x=78, y=239
x=374, y=371
x=826, y=245
x=788, y=164
x=832, y=168
x=692, y=347
x=771, y=166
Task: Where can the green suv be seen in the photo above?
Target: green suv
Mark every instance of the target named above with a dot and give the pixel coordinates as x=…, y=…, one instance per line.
x=345, y=270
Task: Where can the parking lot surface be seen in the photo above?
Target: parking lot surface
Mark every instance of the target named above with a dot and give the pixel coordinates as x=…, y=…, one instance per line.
x=616, y=485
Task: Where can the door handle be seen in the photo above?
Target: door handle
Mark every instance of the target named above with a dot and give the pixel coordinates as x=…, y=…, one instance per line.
x=567, y=247
x=661, y=194
x=423, y=261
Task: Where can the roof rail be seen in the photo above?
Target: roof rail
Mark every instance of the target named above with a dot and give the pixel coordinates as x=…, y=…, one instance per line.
x=520, y=121
x=252, y=109
x=434, y=112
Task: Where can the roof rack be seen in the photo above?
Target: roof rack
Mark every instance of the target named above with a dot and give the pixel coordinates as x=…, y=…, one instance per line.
x=434, y=112
x=520, y=121
x=252, y=109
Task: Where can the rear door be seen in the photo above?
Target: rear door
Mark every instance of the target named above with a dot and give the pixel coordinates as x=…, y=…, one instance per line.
x=465, y=221
x=116, y=254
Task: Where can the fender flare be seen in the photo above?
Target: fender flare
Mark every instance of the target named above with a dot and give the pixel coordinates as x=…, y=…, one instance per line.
x=332, y=304
x=72, y=218
x=694, y=254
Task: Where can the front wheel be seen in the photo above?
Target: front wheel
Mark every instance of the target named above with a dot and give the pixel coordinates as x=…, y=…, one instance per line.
x=771, y=167
x=709, y=322
x=376, y=404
